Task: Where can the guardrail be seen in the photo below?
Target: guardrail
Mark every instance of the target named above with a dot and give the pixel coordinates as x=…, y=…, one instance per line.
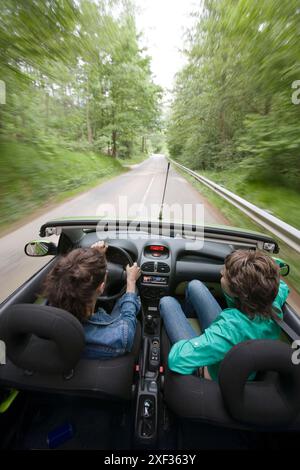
x=290, y=235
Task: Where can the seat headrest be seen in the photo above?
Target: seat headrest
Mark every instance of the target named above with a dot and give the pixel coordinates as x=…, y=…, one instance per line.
x=40, y=338
x=261, y=402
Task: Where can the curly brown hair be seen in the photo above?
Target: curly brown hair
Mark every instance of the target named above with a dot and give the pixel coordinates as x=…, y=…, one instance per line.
x=72, y=282
x=253, y=279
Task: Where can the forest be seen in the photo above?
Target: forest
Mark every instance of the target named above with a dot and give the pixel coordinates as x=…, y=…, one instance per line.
x=77, y=99
x=236, y=103
x=76, y=76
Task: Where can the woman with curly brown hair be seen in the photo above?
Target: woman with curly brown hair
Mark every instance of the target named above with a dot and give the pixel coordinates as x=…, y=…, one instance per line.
x=254, y=294
x=74, y=284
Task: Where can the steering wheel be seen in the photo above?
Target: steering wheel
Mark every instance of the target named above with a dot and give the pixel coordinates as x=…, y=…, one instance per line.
x=117, y=260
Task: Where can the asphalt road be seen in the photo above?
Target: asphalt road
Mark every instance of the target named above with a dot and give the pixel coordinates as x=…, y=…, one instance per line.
x=135, y=193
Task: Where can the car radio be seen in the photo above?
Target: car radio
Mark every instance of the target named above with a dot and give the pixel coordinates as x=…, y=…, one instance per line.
x=158, y=280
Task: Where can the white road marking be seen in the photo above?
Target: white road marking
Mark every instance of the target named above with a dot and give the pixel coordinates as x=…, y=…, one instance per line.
x=147, y=191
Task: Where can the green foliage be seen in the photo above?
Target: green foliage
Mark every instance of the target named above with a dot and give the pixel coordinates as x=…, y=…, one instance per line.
x=31, y=176
x=75, y=75
x=158, y=142
x=232, y=103
x=277, y=199
x=275, y=155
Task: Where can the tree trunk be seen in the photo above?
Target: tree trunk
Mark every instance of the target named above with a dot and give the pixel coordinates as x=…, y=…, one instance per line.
x=88, y=119
x=114, y=143
x=143, y=144
x=222, y=125
x=88, y=125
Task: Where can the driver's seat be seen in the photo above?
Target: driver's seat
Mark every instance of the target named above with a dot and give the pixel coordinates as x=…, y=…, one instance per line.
x=44, y=346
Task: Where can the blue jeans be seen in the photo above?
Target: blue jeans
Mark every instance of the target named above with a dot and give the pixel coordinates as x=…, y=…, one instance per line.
x=198, y=300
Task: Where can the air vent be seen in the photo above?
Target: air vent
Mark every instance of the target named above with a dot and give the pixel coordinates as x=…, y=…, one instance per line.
x=148, y=267
x=163, y=268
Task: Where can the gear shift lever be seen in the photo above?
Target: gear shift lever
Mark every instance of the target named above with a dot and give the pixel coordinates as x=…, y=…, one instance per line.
x=150, y=324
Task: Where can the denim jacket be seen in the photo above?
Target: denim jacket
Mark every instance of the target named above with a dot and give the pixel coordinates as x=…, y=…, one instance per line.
x=111, y=335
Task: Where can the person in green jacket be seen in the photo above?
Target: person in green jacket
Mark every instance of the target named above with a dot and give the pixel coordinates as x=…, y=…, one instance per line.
x=254, y=294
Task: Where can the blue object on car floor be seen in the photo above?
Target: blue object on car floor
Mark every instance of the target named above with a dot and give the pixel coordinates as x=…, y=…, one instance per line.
x=60, y=435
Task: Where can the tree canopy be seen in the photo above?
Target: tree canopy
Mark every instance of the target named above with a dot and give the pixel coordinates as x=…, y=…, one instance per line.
x=233, y=100
x=75, y=75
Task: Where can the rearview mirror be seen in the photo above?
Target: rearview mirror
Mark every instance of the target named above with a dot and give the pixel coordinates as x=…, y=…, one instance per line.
x=40, y=248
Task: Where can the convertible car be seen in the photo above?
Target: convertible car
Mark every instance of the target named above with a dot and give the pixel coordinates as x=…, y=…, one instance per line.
x=52, y=397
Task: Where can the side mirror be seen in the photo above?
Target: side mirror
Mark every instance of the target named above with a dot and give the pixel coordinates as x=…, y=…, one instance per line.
x=40, y=248
x=284, y=268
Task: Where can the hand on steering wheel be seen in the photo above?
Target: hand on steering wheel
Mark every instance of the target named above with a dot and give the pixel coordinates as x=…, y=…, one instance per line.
x=116, y=269
x=133, y=273
x=100, y=246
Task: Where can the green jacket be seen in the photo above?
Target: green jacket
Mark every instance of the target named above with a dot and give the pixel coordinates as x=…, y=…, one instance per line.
x=228, y=329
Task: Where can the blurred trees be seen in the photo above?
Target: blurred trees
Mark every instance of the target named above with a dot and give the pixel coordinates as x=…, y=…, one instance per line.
x=75, y=75
x=233, y=100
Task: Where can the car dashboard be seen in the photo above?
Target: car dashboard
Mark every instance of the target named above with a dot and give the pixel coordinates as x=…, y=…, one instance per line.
x=165, y=262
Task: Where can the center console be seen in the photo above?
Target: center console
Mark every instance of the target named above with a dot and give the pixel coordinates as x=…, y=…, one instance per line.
x=154, y=283
x=155, y=272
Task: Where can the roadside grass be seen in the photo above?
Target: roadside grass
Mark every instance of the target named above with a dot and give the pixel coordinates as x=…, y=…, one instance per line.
x=238, y=219
x=31, y=177
x=279, y=201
